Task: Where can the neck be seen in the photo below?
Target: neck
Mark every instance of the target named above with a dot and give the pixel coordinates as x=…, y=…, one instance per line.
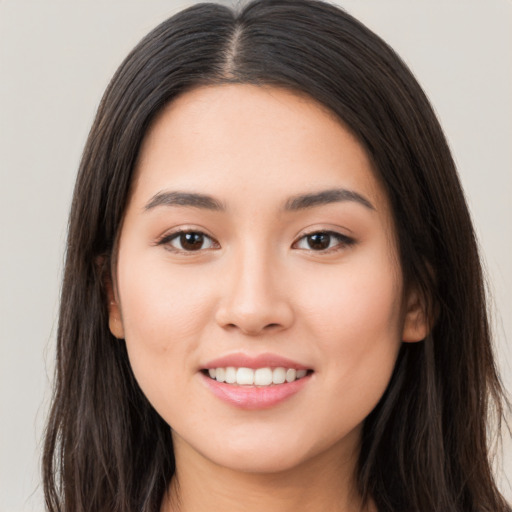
x=325, y=482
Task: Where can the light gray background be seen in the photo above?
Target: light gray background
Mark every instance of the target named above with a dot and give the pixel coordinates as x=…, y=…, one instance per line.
x=56, y=58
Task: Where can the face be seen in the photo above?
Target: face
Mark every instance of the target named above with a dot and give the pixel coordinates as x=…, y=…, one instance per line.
x=258, y=247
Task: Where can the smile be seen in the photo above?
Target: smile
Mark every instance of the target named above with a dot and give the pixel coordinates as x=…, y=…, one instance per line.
x=255, y=377
x=255, y=381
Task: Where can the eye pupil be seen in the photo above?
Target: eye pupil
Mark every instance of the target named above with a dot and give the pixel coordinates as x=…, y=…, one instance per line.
x=319, y=241
x=192, y=241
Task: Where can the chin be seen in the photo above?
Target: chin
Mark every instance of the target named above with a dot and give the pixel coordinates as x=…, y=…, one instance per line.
x=260, y=463
x=271, y=452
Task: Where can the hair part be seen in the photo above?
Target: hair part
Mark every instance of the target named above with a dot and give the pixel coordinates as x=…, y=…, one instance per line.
x=425, y=446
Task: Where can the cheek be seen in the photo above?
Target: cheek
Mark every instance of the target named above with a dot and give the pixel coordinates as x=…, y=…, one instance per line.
x=164, y=313
x=161, y=302
x=356, y=319
x=350, y=301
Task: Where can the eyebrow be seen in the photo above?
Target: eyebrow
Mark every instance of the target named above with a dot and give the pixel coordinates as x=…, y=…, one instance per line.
x=295, y=203
x=190, y=199
x=337, y=195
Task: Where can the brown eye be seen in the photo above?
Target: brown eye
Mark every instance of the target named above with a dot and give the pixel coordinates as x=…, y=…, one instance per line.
x=191, y=241
x=319, y=241
x=188, y=241
x=323, y=241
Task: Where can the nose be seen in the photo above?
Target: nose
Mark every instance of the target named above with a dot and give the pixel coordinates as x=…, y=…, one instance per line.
x=255, y=298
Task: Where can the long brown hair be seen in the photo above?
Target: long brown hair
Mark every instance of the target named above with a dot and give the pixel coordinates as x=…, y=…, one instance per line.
x=425, y=446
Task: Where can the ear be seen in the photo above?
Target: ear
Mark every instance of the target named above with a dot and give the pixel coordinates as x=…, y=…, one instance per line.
x=115, y=321
x=416, y=324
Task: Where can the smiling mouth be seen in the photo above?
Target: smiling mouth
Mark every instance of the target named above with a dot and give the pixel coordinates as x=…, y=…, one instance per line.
x=261, y=377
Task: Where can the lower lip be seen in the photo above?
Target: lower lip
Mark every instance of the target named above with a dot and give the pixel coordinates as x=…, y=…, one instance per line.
x=255, y=397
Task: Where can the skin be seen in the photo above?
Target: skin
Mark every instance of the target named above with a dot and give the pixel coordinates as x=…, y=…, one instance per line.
x=257, y=286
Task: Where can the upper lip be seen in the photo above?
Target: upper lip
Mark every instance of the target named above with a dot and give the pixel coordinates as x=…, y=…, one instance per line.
x=266, y=360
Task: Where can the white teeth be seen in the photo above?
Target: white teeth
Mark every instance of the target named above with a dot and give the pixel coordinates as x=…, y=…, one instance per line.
x=291, y=375
x=245, y=376
x=259, y=377
x=278, y=375
x=230, y=375
x=263, y=377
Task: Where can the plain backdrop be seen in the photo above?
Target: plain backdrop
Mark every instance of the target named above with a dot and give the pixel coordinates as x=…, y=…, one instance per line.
x=56, y=57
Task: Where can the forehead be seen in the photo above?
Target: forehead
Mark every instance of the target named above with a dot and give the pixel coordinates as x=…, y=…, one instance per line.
x=265, y=141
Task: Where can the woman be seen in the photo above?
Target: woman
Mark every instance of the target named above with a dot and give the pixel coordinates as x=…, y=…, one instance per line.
x=272, y=295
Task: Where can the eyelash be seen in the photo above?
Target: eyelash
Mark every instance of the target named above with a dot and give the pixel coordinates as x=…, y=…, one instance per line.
x=343, y=241
x=176, y=235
